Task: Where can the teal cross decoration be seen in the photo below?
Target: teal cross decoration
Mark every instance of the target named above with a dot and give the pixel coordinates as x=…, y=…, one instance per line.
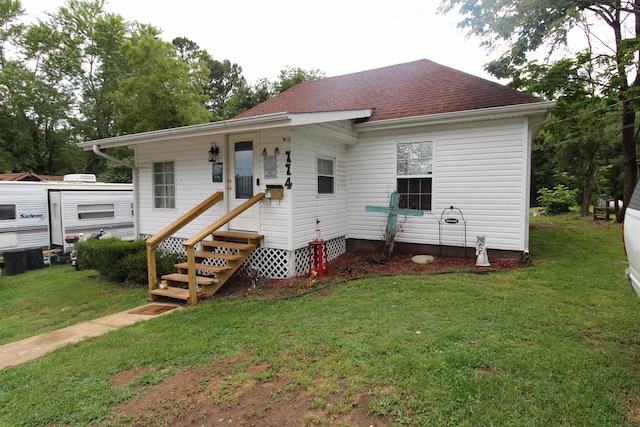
x=393, y=211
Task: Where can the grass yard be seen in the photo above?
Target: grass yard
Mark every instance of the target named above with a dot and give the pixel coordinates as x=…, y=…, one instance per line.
x=55, y=297
x=554, y=344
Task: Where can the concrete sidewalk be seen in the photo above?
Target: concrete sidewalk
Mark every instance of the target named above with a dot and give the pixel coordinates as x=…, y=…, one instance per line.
x=31, y=348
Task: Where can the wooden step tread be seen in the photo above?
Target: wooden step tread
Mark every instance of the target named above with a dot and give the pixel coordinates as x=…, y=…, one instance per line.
x=172, y=292
x=184, y=278
x=223, y=244
x=204, y=267
x=216, y=255
x=238, y=235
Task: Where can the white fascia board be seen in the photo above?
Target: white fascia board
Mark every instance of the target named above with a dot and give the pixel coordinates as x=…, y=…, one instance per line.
x=214, y=128
x=510, y=111
x=248, y=124
x=301, y=119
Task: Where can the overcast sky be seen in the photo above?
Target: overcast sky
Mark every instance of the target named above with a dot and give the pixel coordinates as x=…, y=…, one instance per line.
x=335, y=36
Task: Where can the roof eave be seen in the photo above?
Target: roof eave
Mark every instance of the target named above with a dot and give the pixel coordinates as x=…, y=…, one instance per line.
x=493, y=113
x=248, y=124
x=207, y=129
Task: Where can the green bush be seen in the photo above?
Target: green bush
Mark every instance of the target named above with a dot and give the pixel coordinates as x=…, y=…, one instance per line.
x=558, y=200
x=122, y=261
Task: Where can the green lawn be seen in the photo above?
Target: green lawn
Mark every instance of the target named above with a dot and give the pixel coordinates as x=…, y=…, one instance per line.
x=552, y=344
x=59, y=296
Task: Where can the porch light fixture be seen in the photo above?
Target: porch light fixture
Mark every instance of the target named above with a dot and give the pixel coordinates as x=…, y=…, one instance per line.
x=276, y=151
x=213, y=152
x=264, y=152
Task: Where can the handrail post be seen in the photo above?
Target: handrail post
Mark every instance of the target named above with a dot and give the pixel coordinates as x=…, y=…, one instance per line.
x=151, y=267
x=193, y=287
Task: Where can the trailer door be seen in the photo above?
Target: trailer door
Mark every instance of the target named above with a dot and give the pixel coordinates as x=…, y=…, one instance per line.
x=55, y=217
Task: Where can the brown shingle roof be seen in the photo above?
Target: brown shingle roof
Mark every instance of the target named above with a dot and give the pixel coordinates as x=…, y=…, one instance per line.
x=412, y=89
x=28, y=176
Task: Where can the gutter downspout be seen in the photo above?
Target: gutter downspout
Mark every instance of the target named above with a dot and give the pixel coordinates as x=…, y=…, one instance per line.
x=136, y=222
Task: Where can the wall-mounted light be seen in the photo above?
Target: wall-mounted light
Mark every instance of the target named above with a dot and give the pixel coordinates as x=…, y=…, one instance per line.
x=213, y=152
x=276, y=151
x=264, y=152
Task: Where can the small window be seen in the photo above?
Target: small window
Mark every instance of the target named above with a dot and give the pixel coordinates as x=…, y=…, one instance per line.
x=7, y=212
x=326, y=176
x=414, y=174
x=164, y=185
x=104, y=210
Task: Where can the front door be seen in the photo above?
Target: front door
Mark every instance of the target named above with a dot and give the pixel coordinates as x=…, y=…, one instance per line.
x=241, y=183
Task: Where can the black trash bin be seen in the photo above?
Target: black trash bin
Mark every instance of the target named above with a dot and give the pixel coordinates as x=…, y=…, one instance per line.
x=35, y=260
x=15, y=262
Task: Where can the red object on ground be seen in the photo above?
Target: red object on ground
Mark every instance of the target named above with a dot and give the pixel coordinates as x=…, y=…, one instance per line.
x=318, y=257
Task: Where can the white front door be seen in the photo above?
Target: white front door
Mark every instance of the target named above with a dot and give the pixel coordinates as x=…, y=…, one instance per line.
x=242, y=183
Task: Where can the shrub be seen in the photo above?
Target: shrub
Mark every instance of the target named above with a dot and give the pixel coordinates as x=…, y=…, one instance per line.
x=558, y=200
x=122, y=261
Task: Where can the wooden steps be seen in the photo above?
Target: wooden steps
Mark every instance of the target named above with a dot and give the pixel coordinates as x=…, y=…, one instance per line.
x=172, y=292
x=214, y=264
x=184, y=278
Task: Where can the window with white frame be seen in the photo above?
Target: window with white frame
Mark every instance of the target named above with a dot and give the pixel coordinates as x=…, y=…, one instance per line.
x=326, y=175
x=164, y=185
x=414, y=174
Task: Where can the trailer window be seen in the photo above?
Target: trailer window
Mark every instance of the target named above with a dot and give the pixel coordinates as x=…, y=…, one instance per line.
x=104, y=210
x=7, y=212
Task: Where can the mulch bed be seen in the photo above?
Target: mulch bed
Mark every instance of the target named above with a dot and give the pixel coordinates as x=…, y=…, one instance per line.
x=359, y=265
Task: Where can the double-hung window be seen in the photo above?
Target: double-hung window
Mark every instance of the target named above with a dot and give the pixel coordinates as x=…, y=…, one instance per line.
x=326, y=175
x=164, y=185
x=414, y=174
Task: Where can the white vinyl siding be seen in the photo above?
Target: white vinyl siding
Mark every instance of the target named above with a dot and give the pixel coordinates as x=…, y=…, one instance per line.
x=480, y=168
x=275, y=216
x=193, y=184
x=311, y=210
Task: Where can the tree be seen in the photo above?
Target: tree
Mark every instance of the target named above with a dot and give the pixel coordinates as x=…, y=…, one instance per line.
x=522, y=28
x=92, y=40
x=223, y=81
x=38, y=102
x=246, y=97
x=10, y=29
x=578, y=137
x=291, y=76
x=161, y=91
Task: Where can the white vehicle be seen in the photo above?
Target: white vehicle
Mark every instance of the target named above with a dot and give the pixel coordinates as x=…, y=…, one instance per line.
x=631, y=236
x=45, y=215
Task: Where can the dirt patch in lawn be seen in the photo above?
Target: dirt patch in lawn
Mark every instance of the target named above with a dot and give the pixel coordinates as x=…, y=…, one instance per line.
x=231, y=393
x=224, y=395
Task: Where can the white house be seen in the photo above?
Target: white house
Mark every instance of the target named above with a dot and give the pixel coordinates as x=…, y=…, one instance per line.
x=442, y=138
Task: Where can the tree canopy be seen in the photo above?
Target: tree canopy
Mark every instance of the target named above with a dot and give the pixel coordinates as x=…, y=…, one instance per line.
x=85, y=74
x=590, y=55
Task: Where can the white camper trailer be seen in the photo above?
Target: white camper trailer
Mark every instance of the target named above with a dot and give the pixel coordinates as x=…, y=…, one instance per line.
x=39, y=215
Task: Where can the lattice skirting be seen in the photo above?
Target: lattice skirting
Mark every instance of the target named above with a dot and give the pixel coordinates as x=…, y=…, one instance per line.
x=270, y=263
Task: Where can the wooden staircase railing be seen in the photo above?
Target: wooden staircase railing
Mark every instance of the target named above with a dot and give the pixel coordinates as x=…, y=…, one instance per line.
x=191, y=267
x=157, y=239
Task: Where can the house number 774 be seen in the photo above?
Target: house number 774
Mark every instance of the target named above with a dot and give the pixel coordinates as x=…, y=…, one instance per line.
x=288, y=182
